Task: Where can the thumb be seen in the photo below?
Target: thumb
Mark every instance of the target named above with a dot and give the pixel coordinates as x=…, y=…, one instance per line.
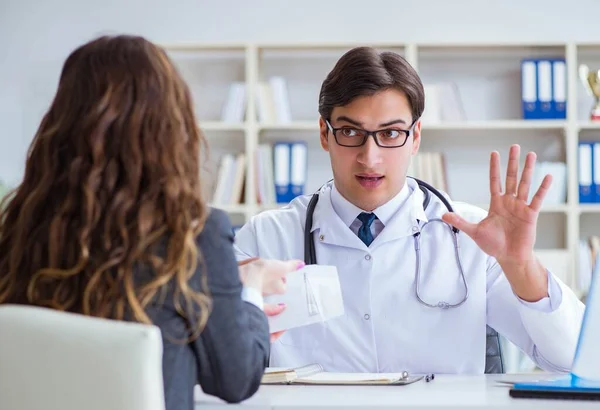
x=295, y=264
x=273, y=310
x=460, y=223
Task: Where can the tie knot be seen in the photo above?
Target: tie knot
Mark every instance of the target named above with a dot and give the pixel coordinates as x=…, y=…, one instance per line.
x=367, y=218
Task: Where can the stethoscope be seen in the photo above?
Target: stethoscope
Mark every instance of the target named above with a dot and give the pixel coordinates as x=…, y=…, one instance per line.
x=310, y=257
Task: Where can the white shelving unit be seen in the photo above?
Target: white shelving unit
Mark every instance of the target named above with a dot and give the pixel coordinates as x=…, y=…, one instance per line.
x=488, y=78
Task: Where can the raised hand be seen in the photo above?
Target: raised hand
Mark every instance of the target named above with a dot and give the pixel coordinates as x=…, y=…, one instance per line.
x=508, y=232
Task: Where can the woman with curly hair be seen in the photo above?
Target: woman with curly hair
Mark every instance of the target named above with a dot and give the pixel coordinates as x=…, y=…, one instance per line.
x=109, y=222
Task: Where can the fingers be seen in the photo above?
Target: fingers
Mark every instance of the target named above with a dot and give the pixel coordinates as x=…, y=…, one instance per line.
x=247, y=261
x=295, y=264
x=460, y=223
x=538, y=198
x=275, y=272
x=526, y=177
x=512, y=170
x=495, y=179
x=273, y=310
x=276, y=335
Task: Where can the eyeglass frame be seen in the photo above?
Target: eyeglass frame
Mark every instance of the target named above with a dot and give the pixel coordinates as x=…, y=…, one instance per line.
x=407, y=134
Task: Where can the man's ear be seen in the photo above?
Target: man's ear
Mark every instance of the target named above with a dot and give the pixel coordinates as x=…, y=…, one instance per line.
x=323, y=132
x=416, y=140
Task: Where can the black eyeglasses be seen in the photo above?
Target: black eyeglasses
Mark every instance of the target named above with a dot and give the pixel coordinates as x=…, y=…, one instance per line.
x=347, y=136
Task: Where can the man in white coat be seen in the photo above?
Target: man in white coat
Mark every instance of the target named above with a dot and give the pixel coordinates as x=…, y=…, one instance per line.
x=367, y=222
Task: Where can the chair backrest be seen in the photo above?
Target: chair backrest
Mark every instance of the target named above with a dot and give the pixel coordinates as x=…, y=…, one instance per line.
x=53, y=360
x=494, y=362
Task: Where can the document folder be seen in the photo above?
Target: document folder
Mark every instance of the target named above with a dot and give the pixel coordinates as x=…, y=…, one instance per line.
x=567, y=387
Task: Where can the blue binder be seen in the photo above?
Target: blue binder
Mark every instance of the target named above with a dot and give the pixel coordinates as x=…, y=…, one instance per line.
x=543, y=88
x=559, y=89
x=529, y=89
x=585, y=165
x=298, y=167
x=281, y=169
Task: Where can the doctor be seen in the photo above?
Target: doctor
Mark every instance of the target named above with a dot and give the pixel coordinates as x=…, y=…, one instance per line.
x=414, y=298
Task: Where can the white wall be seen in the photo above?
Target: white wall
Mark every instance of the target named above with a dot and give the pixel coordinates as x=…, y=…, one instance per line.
x=36, y=36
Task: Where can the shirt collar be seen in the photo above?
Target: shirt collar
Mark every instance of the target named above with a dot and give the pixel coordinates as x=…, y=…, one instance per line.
x=348, y=211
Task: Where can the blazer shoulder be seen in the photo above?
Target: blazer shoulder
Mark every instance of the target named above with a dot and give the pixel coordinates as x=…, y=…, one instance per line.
x=217, y=222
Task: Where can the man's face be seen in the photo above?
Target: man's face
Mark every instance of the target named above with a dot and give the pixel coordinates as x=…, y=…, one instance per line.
x=369, y=175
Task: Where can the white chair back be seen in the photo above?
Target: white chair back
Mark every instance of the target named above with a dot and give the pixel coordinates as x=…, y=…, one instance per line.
x=51, y=360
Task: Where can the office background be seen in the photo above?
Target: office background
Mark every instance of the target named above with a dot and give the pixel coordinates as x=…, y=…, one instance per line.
x=470, y=50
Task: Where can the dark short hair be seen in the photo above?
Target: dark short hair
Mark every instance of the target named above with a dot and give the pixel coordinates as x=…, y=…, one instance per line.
x=365, y=71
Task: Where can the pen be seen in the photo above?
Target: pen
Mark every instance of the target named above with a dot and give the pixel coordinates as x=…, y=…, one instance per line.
x=429, y=377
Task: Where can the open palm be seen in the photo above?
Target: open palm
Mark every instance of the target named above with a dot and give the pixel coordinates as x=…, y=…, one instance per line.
x=508, y=232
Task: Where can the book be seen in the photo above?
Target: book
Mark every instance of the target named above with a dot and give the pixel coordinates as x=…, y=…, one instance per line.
x=315, y=375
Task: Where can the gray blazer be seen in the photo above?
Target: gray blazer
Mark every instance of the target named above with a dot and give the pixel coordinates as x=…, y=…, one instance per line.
x=229, y=357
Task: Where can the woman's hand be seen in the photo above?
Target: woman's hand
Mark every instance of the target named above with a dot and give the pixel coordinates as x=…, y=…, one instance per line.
x=267, y=275
x=274, y=310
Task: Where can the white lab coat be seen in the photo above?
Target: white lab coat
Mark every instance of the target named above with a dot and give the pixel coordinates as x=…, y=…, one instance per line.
x=385, y=328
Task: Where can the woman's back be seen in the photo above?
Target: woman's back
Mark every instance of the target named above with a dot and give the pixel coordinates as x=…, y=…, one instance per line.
x=229, y=356
x=109, y=220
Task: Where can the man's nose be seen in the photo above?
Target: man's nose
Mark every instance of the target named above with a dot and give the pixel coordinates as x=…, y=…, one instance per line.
x=370, y=152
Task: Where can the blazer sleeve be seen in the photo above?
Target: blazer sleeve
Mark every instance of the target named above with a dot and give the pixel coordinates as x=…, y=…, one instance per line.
x=233, y=348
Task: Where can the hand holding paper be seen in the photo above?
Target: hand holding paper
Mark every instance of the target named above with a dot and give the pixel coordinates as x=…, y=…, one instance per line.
x=267, y=275
x=313, y=295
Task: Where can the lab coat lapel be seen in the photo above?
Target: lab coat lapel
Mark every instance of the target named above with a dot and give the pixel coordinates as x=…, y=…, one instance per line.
x=329, y=228
x=405, y=221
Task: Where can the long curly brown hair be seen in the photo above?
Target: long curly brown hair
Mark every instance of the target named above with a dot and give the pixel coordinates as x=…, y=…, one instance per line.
x=113, y=170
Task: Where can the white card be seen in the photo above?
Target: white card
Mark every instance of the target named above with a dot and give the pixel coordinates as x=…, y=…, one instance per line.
x=313, y=295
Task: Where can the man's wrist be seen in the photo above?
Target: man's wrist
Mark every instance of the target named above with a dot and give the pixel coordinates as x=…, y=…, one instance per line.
x=528, y=279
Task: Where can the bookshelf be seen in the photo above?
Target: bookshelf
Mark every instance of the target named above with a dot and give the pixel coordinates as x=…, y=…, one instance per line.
x=488, y=77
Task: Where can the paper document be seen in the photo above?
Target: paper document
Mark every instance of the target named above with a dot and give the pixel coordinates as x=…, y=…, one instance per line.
x=357, y=378
x=314, y=374
x=313, y=295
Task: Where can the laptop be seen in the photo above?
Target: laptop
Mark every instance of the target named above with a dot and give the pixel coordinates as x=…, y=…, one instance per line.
x=583, y=383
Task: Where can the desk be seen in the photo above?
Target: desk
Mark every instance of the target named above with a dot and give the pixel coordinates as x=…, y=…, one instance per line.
x=444, y=392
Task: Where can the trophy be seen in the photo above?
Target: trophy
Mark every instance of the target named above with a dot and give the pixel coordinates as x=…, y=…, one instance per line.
x=591, y=82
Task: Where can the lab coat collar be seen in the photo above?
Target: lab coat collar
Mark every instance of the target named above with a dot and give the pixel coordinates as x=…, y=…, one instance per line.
x=405, y=221
x=401, y=223
x=331, y=228
x=348, y=212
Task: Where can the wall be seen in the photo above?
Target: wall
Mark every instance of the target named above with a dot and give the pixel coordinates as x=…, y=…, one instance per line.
x=36, y=36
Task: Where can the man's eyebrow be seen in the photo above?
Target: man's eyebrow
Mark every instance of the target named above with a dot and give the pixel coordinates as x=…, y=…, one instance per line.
x=350, y=120
x=359, y=124
x=398, y=121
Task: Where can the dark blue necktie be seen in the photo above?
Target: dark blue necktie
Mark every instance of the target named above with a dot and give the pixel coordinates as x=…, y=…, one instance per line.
x=364, y=232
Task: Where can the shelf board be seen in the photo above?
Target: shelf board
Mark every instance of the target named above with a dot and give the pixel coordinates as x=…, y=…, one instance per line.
x=191, y=47
x=545, y=208
x=243, y=208
x=292, y=126
x=589, y=125
x=590, y=208
x=232, y=209
x=328, y=45
x=221, y=126
x=497, y=125
x=442, y=126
